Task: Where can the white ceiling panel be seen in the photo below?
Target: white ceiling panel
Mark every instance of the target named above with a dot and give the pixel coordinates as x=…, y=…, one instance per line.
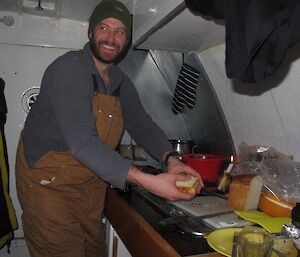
x=71, y=9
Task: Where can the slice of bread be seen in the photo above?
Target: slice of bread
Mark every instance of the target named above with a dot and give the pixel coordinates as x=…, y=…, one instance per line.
x=188, y=186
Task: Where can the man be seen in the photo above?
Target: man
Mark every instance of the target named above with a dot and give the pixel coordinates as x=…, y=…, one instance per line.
x=66, y=153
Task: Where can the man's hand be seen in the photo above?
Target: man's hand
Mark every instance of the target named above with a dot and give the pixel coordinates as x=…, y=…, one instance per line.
x=176, y=166
x=163, y=185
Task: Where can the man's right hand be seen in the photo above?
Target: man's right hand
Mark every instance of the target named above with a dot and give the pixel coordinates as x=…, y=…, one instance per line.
x=163, y=184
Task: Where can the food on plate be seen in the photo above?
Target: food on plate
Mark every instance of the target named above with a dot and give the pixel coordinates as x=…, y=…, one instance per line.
x=189, y=186
x=256, y=238
x=244, y=192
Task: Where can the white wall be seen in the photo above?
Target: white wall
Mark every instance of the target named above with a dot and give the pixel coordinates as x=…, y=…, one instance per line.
x=266, y=113
x=26, y=49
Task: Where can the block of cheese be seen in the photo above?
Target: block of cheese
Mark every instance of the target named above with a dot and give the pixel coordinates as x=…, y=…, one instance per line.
x=244, y=192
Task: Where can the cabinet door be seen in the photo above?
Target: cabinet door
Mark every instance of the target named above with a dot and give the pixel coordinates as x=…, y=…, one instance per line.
x=170, y=25
x=116, y=247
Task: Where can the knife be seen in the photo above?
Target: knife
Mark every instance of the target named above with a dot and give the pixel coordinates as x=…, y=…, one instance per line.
x=235, y=245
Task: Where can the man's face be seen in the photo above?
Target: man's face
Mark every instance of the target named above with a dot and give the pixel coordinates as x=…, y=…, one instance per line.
x=108, y=40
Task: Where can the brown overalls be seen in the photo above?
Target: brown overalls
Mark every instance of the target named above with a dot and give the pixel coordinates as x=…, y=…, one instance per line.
x=62, y=200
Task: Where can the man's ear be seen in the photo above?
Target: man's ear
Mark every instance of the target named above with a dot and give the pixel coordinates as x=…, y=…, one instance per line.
x=90, y=35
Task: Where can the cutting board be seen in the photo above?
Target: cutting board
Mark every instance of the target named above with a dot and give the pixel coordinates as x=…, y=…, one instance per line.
x=226, y=220
x=201, y=206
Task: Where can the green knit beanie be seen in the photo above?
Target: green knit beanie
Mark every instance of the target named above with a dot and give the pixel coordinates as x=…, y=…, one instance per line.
x=111, y=9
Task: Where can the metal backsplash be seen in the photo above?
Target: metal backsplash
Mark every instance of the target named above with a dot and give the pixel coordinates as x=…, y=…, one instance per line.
x=155, y=74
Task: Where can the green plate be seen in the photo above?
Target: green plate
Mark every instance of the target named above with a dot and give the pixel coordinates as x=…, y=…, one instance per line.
x=271, y=224
x=221, y=240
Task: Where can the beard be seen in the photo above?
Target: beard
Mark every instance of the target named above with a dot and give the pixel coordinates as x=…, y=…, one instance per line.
x=100, y=55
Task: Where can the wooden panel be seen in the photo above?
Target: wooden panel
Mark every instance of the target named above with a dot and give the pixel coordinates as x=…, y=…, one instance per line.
x=139, y=237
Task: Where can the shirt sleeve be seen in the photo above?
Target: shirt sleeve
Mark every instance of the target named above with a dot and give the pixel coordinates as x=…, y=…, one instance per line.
x=70, y=92
x=140, y=125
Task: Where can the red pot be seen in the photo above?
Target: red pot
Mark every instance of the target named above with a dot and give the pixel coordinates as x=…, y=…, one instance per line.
x=207, y=165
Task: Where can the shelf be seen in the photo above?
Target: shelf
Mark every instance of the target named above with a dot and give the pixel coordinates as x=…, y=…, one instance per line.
x=169, y=25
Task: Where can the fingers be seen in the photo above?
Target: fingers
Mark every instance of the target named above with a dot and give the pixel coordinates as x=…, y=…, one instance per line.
x=164, y=185
x=194, y=173
x=178, y=195
x=186, y=174
x=184, y=196
x=201, y=183
x=183, y=177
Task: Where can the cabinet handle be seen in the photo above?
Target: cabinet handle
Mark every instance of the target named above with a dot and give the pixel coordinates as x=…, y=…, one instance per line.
x=115, y=246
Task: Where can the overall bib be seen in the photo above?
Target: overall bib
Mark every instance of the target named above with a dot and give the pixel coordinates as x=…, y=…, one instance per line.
x=62, y=200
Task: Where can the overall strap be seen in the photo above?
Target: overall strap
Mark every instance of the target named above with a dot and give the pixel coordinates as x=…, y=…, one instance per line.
x=96, y=89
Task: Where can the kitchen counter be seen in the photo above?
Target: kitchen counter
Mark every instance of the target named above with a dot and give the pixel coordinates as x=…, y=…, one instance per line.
x=136, y=222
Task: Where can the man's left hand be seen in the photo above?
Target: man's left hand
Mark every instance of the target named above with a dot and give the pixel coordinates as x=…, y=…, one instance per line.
x=178, y=167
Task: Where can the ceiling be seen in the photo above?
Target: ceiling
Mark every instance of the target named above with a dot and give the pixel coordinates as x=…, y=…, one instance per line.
x=70, y=9
x=158, y=24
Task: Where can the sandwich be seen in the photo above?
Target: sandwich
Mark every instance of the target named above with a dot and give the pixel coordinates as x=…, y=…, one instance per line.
x=189, y=186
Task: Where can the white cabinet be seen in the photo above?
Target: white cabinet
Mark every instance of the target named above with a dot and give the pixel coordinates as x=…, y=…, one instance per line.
x=169, y=25
x=148, y=15
x=115, y=246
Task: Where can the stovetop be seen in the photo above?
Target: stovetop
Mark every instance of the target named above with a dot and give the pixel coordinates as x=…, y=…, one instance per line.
x=156, y=213
x=183, y=231
x=173, y=215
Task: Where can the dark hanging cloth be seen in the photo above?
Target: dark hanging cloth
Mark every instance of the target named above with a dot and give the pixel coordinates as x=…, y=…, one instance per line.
x=3, y=112
x=258, y=33
x=185, y=90
x=8, y=222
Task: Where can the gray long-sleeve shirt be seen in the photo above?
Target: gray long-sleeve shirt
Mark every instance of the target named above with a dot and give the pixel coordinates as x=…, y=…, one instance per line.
x=61, y=119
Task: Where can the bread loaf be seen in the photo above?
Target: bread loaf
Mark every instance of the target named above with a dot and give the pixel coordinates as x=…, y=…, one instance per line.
x=244, y=192
x=189, y=186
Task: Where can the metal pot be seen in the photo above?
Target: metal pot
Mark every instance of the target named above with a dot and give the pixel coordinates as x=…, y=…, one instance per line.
x=183, y=146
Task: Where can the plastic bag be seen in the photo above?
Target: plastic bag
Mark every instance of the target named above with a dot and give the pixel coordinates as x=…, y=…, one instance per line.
x=259, y=153
x=278, y=171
